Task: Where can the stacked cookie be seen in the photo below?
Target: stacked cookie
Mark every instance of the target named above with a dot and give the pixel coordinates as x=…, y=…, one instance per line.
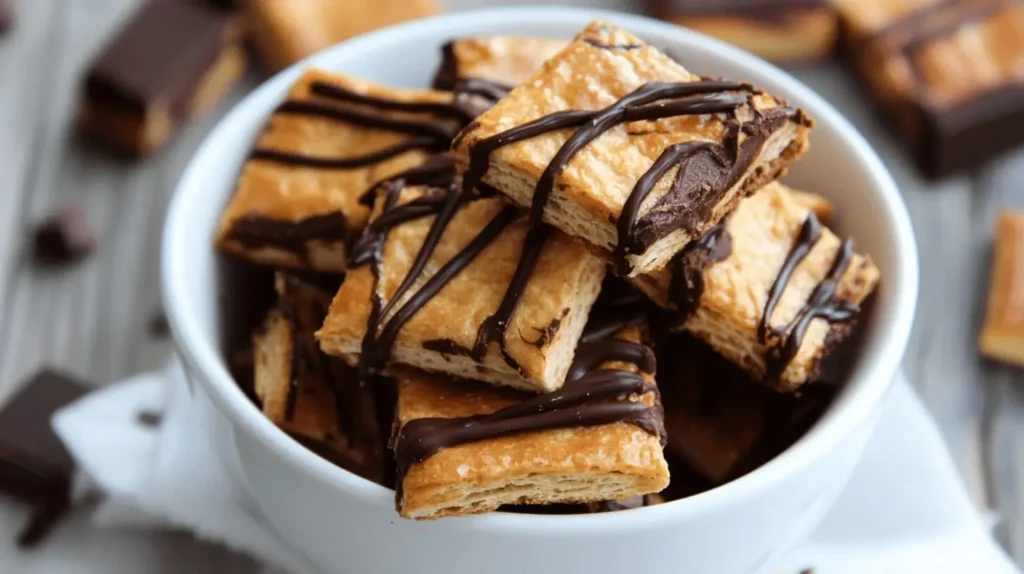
x=513, y=243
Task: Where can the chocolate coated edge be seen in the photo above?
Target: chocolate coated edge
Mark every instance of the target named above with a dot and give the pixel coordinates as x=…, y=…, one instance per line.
x=256, y=231
x=653, y=226
x=966, y=135
x=103, y=92
x=769, y=10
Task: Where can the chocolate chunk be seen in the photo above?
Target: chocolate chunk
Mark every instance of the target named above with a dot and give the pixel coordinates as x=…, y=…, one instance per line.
x=6, y=15
x=151, y=419
x=64, y=236
x=158, y=325
x=35, y=468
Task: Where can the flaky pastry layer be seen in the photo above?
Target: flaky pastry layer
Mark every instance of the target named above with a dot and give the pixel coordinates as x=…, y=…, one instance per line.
x=763, y=230
x=571, y=465
x=543, y=330
x=508, y=60
x=601, y=66
x=289, y=196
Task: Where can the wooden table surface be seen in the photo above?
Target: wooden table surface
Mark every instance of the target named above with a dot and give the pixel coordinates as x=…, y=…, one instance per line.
x=92, y=319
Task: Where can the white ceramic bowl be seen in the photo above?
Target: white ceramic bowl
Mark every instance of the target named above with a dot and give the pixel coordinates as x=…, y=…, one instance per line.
x=346, y=524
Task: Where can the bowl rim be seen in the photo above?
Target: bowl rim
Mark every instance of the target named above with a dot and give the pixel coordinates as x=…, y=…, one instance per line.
x=865, y=392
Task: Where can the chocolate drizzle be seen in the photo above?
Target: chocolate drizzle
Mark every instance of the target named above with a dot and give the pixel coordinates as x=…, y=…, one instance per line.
x=687, y=285
x=810, y=233
x=429, y=135
x=648, y=102
x=821, y=304
x=380, y=334
x=599, y=398
x=256, y=231
x=590, y=355
x=706, y=169
x=592, y=395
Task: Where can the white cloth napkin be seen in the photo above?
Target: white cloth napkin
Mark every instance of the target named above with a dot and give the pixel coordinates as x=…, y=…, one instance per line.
x=905, y=509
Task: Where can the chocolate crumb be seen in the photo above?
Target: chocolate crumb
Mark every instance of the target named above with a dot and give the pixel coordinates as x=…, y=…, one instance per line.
x=63, y=237
x=158, y=325
x=149, y=419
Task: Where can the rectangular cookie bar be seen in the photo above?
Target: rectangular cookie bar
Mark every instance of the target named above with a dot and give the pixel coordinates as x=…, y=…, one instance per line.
x=1002, y=337
x=614, y=142
x=720, y=421
x=315, y=398
x=286, y=31
x=6, y=16
x=949, y=74
x=434, y=289
x=771, y=289
x=467, y=448
x=297, y=202
x=171, y=61
x=783, y=31
x=503, y=60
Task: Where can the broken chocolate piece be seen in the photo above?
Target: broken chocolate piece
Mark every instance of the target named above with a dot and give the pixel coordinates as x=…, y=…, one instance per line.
x=64, y=236
x=158, y=325
x=35, y=468
x=149, y=419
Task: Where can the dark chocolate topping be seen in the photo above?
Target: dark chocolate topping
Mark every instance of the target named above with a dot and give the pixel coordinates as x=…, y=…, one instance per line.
x=448, y=72
x=303, y=160
x=160, y=55
x=432, y=135
x=546, y=334
x=703, y=179
x=688, y=267
x=35, y=467
x=255, y=231
x=707, y=169
x=597, y=399
x=493, y=328
x=63, y=237
x=932, y=21
x=436, y=171
x=446, y=347
x=440, y=109
x=590, y=355
x=590, y=396
x=810, y=233
x=821, y=304
x=377, y=342
x=304, y=302
x=439, y=131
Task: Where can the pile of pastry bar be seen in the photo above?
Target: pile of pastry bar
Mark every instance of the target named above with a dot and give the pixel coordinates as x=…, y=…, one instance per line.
x=542, y=282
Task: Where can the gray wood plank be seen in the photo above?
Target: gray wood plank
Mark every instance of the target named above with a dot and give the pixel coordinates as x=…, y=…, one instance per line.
x=999, y=187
